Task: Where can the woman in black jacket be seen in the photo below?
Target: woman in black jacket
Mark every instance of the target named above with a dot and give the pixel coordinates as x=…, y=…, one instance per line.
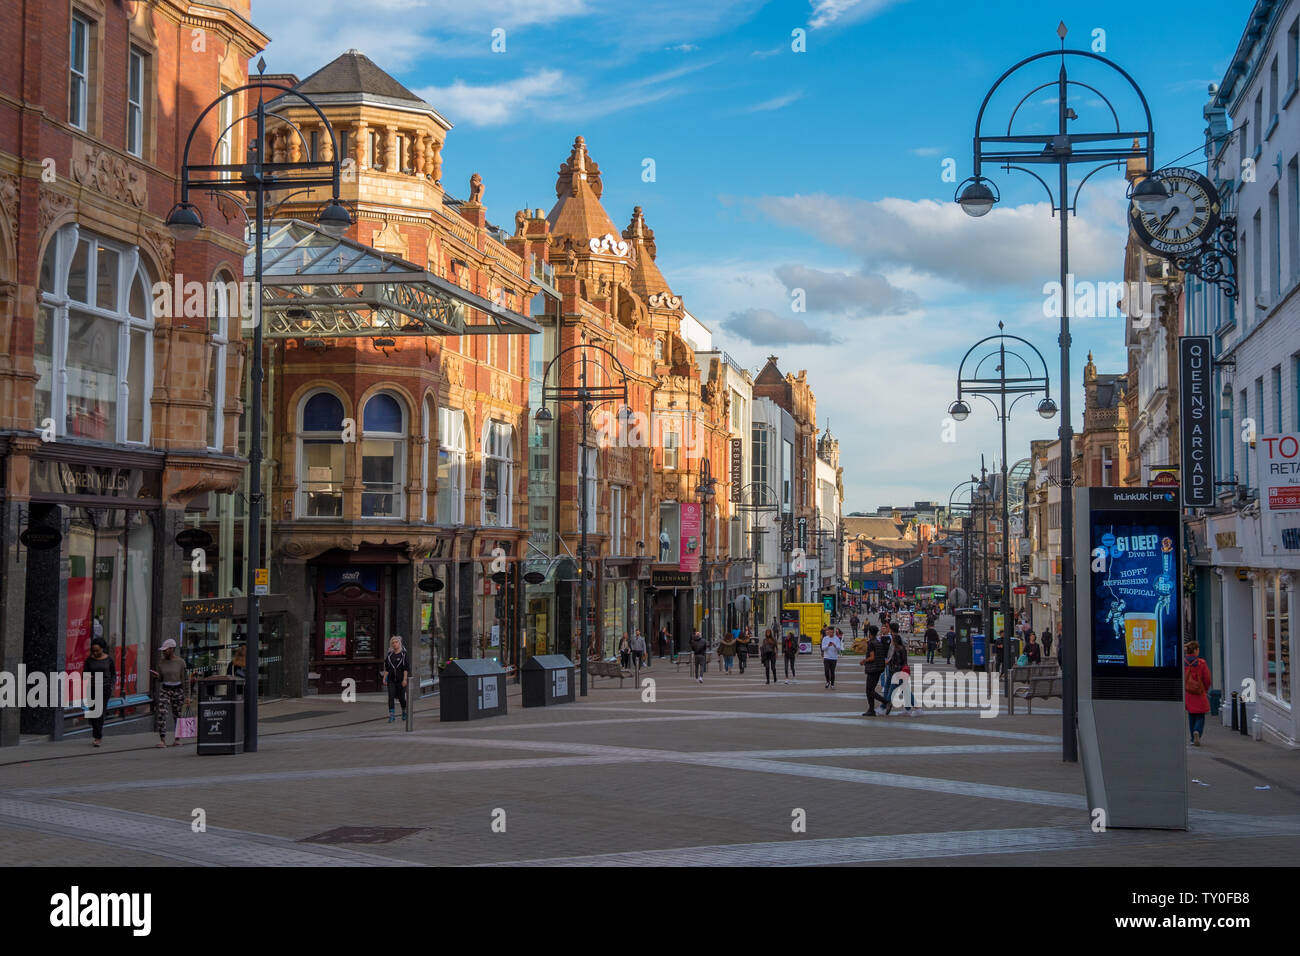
x=396, y=671
x=99, y=663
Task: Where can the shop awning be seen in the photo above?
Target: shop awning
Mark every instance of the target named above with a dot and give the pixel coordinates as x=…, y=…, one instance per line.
x=317, y=286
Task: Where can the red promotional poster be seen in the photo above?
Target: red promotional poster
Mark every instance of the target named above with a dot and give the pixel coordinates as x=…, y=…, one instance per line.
x=692, y=544
x=77, y=632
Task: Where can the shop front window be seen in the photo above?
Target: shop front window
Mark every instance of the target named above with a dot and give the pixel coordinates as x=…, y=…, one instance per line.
x=451, y=466
x=110, y=589
x=1277, y=639
x=498, y=459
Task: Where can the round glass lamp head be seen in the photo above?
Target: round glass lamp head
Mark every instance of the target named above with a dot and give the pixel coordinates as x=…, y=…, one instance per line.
x=543, y=415
x=184, y=221
x=959, y=410
x=334, y=219
x=977, y=199
x=1150, y=196
x=1047, y=408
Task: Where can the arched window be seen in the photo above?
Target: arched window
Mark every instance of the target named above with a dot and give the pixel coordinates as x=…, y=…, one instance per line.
x=225, y=294
x=383, y=457
x=320, y=456
x=498, y=473
x=451, y=466
x=94, y=339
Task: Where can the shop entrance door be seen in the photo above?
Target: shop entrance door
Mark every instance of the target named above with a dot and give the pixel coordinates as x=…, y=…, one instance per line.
x=350, y=636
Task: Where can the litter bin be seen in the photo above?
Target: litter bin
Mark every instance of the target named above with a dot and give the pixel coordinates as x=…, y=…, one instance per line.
x=548, y=679
x=221, y=715
x=472, y=689
x=966, y=625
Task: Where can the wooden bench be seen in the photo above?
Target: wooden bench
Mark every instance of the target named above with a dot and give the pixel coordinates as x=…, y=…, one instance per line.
x=1041, y=687
x=607, y=669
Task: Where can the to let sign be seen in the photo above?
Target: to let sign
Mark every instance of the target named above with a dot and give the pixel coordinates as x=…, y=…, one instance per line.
x=1279, y=491
x=1197, y=429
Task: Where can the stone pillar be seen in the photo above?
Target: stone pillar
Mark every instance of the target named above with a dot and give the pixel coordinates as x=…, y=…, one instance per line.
x=419, y=149
x=433, y=161
x=295, y=578
x=326, y=145
x=359, y=131
x=45, y=615
x=13, y=594
x=392, y=159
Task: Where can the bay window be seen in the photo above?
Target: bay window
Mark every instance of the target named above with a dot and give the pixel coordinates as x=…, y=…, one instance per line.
x=93, y=348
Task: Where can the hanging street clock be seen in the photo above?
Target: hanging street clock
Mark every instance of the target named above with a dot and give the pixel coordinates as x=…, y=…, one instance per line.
x=1190, y=228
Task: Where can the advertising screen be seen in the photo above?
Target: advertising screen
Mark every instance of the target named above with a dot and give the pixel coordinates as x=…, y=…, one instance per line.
x=1134, y=578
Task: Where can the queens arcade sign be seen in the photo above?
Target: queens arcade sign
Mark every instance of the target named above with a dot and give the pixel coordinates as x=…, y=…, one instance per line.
x=1194, y=364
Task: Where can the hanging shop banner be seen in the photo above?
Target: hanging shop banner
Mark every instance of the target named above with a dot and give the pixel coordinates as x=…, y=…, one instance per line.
x=669, y=532
x=787, y=533
x=691, y=546
x=803, y=533
x=1197, y=426
x=1279, y=491
x=737, y=468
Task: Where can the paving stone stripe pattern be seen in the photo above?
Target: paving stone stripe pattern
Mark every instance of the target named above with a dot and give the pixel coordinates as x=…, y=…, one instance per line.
x=706, y=775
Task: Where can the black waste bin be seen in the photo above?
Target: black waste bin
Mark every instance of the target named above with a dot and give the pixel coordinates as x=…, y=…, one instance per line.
x=472, y=689
x=966, y=626
x=221, y=715
x=548, y=679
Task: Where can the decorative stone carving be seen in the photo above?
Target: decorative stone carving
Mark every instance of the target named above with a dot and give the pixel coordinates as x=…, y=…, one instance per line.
x=107, y=173
x=9, y=189
x=453, y=369
x=579, y=167
x=164, y=247
x=52, y=206
x=608, y=244
x=476, y=188
x=665, y=300
x=521, y=221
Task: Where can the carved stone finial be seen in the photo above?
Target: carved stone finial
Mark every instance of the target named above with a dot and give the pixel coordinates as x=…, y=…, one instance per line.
x=580, y=166
x=476, y=188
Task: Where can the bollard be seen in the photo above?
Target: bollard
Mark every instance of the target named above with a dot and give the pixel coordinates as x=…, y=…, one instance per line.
x=1245, y=722
x=1235, y=711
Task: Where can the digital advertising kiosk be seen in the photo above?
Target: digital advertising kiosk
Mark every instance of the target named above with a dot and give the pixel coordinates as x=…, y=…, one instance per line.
x=1132, y=722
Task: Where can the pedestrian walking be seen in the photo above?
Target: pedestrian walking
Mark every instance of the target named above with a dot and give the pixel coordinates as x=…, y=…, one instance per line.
x=897, y=668
x=173, y=691
x=789, y=650
x=949, y=645
x=99, y=667
x=1047, y=642
x=397, y=671
x=700, y=649
x=832, y=645
x=931, y=643
x=625, y=652
x=637, y=647
x=664, y=641
x=1033, y=653
x=874, y=663
x=767, y=654
x=727, y=651
x=1196, y=690
x=238, y=661
x=742, y=649
x=854, y=621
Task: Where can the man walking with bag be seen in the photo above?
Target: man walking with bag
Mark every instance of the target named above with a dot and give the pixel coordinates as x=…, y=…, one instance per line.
x=874, y=663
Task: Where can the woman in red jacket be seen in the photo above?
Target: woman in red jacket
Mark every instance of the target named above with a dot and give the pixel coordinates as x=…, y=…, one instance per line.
x=1196, y=690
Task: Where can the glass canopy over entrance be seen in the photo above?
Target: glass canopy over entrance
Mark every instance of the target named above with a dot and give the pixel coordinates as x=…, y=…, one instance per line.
x=317, y=286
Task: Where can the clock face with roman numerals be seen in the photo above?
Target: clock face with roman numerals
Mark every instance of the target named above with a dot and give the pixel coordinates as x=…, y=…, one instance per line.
x=1189, y=217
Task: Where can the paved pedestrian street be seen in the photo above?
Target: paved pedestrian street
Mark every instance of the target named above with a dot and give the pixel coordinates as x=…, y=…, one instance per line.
x=718, y=773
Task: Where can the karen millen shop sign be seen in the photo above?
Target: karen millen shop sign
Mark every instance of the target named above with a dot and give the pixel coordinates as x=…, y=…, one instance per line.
x=64, y=478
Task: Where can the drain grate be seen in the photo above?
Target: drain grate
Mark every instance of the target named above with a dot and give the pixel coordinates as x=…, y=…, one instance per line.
x=304, y=715
x=362, y=835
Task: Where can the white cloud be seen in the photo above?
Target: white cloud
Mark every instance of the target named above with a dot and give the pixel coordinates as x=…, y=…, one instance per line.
x=775, y=103
x=764, y=327
x=1014, y=246
x=854, y=294
x=826, y=12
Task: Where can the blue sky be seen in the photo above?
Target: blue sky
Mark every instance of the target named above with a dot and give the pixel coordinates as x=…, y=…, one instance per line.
x=819, y=170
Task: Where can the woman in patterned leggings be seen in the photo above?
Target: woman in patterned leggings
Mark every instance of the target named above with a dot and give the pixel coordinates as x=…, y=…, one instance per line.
x=172, y=695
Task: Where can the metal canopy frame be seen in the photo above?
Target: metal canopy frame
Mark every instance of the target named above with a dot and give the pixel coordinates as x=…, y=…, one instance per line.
x=317, y=286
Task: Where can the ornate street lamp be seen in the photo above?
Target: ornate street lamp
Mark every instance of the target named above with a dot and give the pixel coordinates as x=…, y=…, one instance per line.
x=979, y=380
x=1063, y=148
x=586, y=375
x=257, y=178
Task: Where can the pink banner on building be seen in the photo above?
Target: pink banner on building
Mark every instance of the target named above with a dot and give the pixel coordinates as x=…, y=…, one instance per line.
x=692, y=545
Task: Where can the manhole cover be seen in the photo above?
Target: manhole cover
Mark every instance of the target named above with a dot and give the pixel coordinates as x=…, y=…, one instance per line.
x=362, y=835
x=304, y=715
